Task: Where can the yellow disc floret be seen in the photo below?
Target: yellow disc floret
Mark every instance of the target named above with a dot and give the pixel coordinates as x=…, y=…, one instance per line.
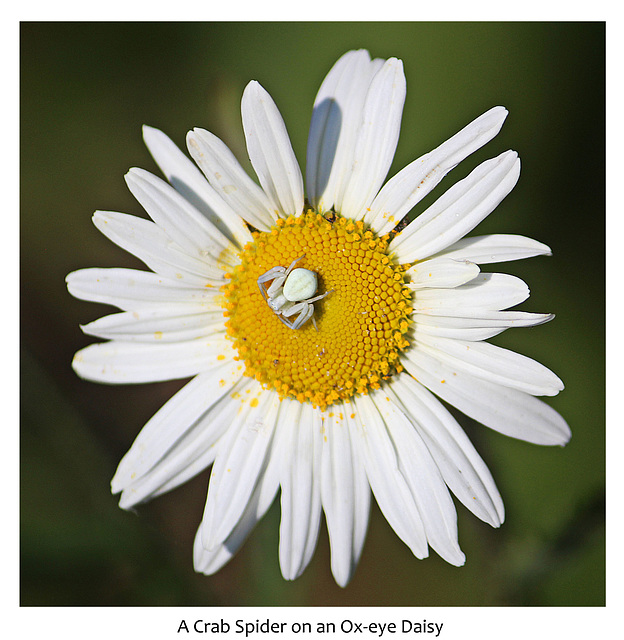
x=360, y=325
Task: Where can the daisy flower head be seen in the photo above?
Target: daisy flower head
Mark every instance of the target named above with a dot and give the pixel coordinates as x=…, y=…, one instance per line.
x=316, y=333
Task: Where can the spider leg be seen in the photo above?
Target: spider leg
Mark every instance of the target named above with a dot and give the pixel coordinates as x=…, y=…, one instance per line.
x=262, y=288
x=305, y=312
x=271, y=274
x=311, y=300
x=276, y=285
x=293, y=309
x=304, y=316
x=287, y=321
x=292, y=264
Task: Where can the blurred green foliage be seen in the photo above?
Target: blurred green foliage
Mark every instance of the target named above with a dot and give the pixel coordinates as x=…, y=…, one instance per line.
x=86, y=89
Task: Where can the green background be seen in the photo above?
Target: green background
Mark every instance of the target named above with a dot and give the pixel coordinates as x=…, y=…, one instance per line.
x=86, y=89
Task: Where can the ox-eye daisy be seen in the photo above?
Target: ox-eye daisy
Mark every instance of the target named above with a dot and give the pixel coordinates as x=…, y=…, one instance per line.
x=316, y=336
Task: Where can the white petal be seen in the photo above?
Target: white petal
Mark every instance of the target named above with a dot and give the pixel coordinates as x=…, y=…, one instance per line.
x=441, y=273
x=229, y=179
x=424, y=480
x=241, y=461
x=148, y=242
x=389, y=486
x=402, y=192
x=493, y=363
x=130, y=289
x=300, y=482
x=486, y=292
x=187, y=180
x=480, y=327
x=156, y=325
x=180, y=220
x=162, y=431
x=180, y=440
x=509, y=411
x=138, y=362
x=377, y=139
x=336, y=118
x=346, y=495
x=210, y=562
x=459, y=210
x=270, y=151
x=461, y=466
x=495, y=248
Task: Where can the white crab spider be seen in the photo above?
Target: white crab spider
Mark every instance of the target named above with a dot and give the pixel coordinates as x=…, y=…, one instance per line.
x=291, y=293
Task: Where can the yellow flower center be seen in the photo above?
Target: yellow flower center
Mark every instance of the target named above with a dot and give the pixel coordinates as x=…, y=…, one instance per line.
x=360, y=324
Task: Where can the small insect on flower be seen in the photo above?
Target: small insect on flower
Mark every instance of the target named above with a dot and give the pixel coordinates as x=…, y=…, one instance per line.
x=291, y=293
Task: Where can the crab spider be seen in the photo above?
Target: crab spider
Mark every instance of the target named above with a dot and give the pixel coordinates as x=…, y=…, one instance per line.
x=290, y=293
